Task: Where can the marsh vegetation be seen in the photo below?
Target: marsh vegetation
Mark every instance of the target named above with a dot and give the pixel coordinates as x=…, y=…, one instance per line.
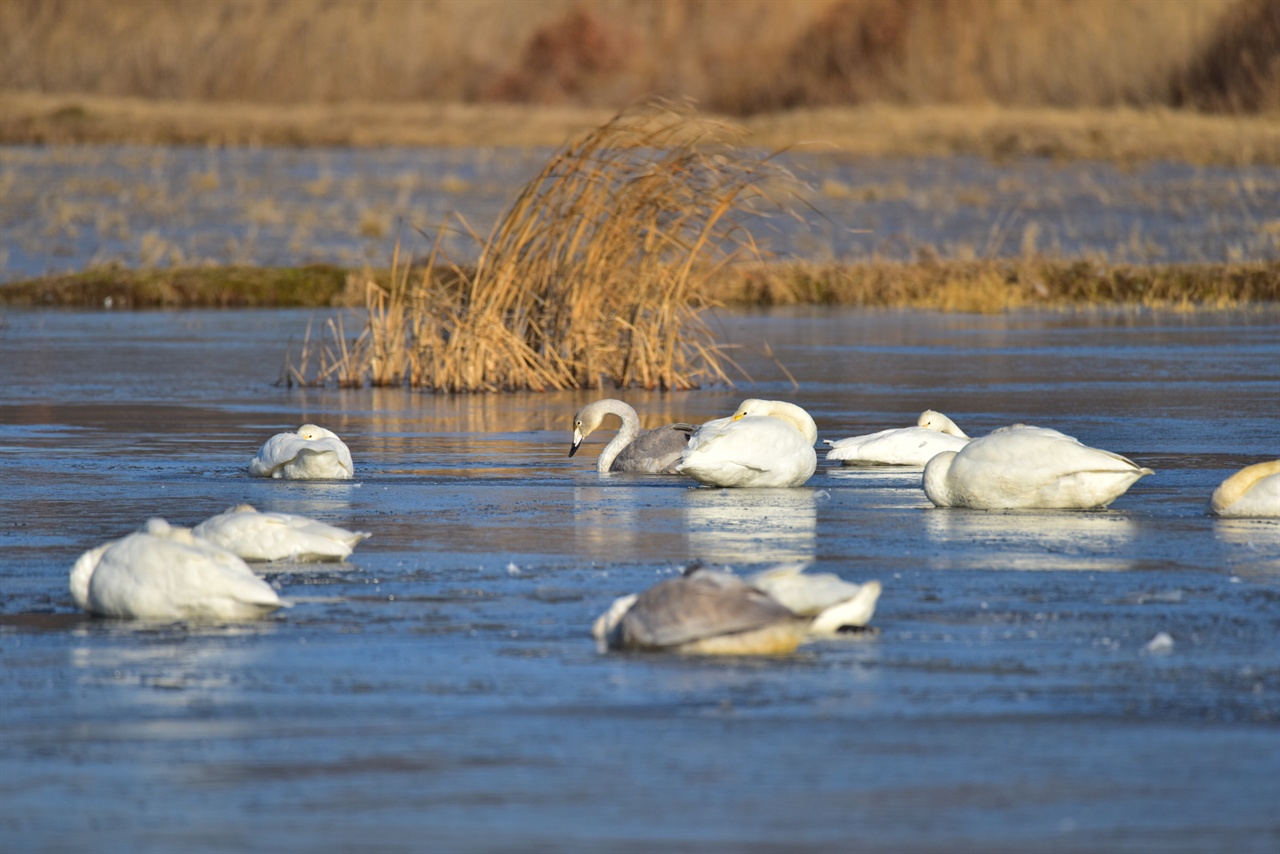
x=596, y=273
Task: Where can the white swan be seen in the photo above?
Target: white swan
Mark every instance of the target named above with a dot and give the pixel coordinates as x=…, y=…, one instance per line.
x=901, y=446
x=833, y=603
x=655, y=451
x=764, y=443
x=1252, y=491
x=251, y=535
x=1028, y=467
x=166, y=573
x=312, y=453
x=712, y=612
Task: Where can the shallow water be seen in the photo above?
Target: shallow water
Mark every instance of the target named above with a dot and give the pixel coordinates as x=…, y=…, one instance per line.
x=441, y=691
x=70, y=208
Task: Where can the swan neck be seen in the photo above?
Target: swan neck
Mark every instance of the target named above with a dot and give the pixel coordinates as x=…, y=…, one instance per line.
x=627, y=431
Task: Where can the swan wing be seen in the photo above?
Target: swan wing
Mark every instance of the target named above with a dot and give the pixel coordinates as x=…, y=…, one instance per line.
x=690, y=608
x=903, y=446
x=151, y=577
x=656, y=451
x=1038, y=467
x=278, y=536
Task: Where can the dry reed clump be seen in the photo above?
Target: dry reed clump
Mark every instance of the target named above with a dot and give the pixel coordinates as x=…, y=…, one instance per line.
x=596, y=273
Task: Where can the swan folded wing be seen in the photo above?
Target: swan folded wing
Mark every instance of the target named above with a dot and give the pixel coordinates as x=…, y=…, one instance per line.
x=275, y=452
x=159, y=577
x=320, y=459
x=1254, y=491
x=657, y=451
x=905, y=446
x=277, y=536
x=803, y=593
x=1038, y=467
x=688, y=609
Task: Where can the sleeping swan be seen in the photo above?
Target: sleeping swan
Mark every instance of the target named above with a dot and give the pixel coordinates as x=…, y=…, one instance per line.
x=1252, y=491
x=312, y=453
x=764, y=443
x=251, y=535
x=166, y=573
x=901, y=446
x=655, y=451
x=712, y=612
x=1023, y=467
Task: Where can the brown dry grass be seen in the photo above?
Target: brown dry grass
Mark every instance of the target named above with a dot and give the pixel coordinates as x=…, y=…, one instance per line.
x=982, y=286
x=596, y=273
x=1122, y=135
x=734, y=56
x=992, y=286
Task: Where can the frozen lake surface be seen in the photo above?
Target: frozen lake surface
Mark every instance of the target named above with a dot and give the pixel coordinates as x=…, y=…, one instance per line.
x=440, y=691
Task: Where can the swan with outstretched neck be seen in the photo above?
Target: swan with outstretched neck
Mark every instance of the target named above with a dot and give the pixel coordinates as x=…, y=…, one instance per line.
x=655, y=451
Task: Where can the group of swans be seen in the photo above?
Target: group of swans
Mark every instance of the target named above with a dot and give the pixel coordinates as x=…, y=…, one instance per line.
x=770, y=443
x=764, y=443
x=165, y=572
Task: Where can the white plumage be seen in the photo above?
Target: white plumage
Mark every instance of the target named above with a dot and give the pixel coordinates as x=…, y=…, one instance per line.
x=166, y=573
x=1254, y=491
x=901, y=446
x=252, y=535
x=765, y=443
x=1023, y=467
x=312, y=453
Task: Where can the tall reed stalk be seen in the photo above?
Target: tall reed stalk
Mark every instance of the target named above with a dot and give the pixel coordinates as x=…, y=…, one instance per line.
x=596, y=274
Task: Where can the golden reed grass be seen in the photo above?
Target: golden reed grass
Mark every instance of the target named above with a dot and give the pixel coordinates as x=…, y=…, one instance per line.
x=597, y=273
x=736, y=57
x=981, y=286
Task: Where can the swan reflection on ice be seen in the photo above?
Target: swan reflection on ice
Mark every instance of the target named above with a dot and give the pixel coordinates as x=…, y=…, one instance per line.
x=741, y=527
x=1027, y=540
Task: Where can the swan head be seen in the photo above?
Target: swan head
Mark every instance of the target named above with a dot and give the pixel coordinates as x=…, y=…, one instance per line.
x=585, y=422
x=933, y=420
x=789, y=412
x=311, y=432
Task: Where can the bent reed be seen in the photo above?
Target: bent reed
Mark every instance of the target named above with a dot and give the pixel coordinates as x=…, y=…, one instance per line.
x=597, y=273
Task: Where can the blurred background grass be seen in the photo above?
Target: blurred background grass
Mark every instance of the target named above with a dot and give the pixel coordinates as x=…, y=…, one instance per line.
x=738, y=57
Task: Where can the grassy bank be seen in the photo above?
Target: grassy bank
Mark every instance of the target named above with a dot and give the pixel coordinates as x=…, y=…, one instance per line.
x=1124, y=135
x=962, y=286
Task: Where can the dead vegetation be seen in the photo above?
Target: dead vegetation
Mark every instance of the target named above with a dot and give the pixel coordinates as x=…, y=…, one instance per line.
x=973, y=286
x=597, y=273
x=737, y=57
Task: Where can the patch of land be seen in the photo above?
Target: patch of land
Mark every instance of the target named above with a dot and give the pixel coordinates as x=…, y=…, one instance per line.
x=1124, y=135
x=982, y=286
